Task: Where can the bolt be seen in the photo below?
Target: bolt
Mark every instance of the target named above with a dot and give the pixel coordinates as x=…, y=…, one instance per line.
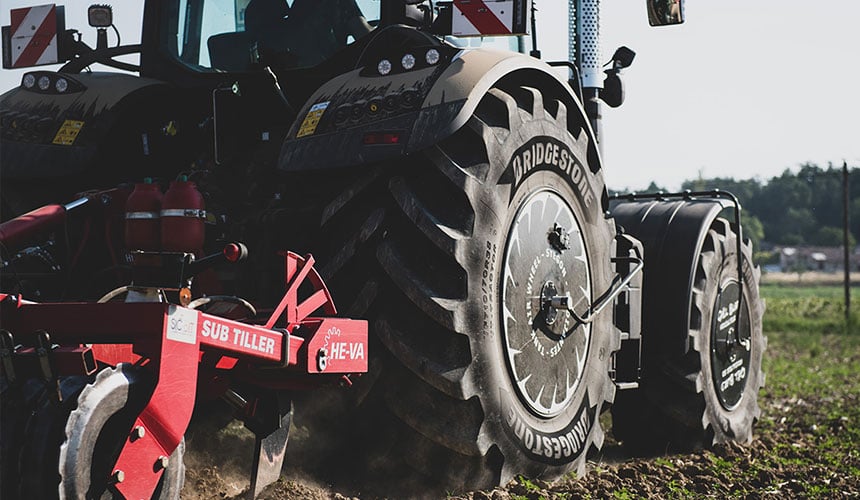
x=559, y=238
x=138, y=432
x=118, y=476
x=162, y=462
x=322, y=359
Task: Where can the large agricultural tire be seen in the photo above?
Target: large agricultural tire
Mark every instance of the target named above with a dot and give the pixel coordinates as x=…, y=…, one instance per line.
x=12, y=417
x=708, y=394
x=71, y=445
x=451, y=254
x=17, y=402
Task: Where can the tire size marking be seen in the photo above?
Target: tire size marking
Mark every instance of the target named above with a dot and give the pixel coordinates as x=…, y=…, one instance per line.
x=554, y=448
x=488, y=285
x=550, y=152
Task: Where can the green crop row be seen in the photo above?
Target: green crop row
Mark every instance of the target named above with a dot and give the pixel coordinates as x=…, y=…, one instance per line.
x=819, y=309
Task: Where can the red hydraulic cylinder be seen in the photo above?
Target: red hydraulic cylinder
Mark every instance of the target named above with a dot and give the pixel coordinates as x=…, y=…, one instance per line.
x=25, y=228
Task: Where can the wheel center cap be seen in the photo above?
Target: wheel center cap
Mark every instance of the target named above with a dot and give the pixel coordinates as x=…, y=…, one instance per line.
x=545, y=261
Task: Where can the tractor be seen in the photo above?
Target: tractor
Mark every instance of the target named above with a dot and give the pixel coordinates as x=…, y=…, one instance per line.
x=178, y=230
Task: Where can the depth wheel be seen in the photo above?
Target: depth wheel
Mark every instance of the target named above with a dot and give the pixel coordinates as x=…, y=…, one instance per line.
x=97, y=430
x=72, y=445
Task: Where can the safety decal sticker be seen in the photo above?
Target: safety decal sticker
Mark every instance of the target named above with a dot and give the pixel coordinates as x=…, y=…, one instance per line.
x=68, y=132
x=312, y=119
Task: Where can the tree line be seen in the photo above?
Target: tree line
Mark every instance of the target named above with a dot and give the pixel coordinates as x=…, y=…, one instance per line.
x=793, y=209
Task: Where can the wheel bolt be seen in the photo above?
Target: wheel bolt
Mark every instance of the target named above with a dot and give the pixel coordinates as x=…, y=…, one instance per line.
x=162, y=462
x=138, y=432
x=559, y=238
x=118, y=476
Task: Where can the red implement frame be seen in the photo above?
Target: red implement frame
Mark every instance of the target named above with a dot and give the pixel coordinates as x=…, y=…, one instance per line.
x=168, y=340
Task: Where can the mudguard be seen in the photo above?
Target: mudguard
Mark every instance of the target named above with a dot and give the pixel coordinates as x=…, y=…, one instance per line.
x=361, y=117
x=47, y=134
x=672, y=233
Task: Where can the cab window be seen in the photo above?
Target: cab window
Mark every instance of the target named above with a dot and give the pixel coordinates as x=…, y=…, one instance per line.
x=237, y=35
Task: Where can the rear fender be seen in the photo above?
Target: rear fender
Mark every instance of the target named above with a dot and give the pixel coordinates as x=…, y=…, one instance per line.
x=336, y=128
x=49, y=134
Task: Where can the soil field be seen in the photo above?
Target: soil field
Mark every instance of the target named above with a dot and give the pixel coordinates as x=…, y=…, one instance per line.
x=807, y=442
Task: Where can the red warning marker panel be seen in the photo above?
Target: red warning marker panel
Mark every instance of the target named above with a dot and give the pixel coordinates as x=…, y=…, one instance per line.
x=31, y=39
x=489, y=17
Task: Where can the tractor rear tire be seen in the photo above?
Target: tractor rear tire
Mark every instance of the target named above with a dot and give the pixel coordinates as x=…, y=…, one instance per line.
x=710, y=394
x=473, y=382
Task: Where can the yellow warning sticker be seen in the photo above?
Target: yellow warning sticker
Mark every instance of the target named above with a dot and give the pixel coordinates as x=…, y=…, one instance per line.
x=68, y=132
x=312, y=119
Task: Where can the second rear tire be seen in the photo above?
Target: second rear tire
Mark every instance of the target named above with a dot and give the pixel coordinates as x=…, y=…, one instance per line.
x=707, y=392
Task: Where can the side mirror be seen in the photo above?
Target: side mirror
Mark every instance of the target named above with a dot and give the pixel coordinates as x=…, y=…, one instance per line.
x=612, y=92
x=622, y=58
x=665, y=12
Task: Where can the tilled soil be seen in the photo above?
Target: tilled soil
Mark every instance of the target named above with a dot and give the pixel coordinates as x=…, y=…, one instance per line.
x=785, y=460
x=807, y=445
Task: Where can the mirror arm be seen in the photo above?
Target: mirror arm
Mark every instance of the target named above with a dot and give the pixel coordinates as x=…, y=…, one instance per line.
x=103, y=57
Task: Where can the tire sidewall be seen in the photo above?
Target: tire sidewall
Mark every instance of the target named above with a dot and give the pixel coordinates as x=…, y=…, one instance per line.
x=540, y=444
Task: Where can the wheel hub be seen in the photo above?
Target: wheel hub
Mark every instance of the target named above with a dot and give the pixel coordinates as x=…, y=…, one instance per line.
x=546, y=349
x=549, y=313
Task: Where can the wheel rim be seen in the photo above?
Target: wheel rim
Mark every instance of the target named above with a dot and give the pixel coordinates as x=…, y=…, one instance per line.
x=730, y=345
x=97, y=430
x=545, y=257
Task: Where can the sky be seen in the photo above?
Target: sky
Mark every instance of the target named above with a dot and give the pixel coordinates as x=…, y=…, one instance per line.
x=743, y=89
